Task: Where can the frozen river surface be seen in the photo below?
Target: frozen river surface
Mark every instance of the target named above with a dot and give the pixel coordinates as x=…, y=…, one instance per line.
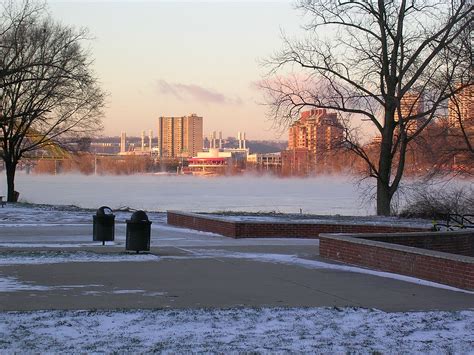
x=322, y=195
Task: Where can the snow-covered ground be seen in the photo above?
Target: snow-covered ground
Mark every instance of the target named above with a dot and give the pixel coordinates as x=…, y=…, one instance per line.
x=163, y=235
x=49, y=215
x=323, y=219
x=260, y=330
x=322, y=195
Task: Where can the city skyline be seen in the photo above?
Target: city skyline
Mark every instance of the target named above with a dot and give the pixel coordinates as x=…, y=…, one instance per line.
x=172, y=58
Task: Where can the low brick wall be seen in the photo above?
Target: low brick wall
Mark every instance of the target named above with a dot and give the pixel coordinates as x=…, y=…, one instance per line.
x=461, y=242
x=369, y=251
x=246, y=229
x=201, y=223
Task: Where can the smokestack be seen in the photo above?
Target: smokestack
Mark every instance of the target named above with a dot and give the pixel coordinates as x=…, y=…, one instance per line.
x=244, y=142
x=150, y=139
x=123, y=140
x=220, y=140
x=143, y=141
x=239, y=137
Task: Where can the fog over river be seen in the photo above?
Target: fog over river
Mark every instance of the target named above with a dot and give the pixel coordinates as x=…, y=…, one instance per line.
x=320, y=195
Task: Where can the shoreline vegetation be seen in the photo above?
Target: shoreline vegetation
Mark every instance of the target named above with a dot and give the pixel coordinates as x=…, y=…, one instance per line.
x=131, y=165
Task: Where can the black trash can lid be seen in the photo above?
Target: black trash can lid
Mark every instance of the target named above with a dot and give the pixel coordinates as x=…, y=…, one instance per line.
x=104, y=211
x=139, y=216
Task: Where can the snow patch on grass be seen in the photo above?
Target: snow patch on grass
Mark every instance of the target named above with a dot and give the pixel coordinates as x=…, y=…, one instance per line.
x=57, y=257
x=56, y=245
x=261, y=330
x=12, y=284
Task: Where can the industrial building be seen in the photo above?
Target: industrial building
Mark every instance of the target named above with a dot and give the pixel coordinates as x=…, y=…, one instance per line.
x=218, y=160
x=265, y=162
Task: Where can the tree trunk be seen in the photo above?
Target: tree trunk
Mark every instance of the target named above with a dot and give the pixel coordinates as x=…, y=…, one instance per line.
x=384, y=199
x=10, y=168
x=384, y=196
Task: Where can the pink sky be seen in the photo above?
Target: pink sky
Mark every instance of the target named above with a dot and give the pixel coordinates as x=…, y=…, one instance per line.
x=170, y=58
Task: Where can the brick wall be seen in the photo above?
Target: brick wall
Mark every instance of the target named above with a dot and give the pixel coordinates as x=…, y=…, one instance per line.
x=200, y=223
x=309, y=230
x=453, y=270
x=460, y=243
x=272, y=229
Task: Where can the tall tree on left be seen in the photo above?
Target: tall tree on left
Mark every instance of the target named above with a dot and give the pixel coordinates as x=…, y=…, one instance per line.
x=49, y=94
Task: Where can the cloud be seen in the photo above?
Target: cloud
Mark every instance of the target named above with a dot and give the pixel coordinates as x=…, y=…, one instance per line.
x=195, y=92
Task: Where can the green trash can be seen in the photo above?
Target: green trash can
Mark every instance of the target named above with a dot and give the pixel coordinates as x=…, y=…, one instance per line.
x=138, y=232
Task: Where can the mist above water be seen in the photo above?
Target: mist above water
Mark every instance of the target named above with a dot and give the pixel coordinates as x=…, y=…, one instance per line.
x=319, y=195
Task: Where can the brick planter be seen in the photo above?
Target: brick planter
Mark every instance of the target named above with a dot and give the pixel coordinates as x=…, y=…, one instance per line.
x=398, y=254
x=264, y=229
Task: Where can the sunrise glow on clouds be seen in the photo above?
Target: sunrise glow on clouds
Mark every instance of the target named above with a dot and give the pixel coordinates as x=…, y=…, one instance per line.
x=173, y=58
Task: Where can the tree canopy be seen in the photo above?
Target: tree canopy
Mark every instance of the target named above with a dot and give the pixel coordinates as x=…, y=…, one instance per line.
x=391, y=63
x=48, y=89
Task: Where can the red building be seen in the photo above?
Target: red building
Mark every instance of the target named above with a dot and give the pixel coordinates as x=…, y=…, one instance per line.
x=312, y=140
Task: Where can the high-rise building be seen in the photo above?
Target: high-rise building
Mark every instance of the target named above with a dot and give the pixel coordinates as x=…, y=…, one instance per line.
x=180, y=136
x=317, y=130
x=461, y=107
x=311, y=140
x=412, y=104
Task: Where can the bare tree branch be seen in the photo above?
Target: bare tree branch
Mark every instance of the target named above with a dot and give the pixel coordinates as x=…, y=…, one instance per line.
x=49, y=92
x=368, y=58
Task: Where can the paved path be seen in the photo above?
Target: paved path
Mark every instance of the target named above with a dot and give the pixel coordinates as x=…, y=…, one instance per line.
x=190, y=269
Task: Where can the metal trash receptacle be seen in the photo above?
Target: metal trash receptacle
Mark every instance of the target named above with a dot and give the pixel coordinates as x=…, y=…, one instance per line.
x=103, y=225
x=138, y=232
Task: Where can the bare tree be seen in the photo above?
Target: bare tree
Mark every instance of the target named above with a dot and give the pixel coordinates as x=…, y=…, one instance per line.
x=49, y=93
x=390, y=63
x=15, y=17
x=460, y=131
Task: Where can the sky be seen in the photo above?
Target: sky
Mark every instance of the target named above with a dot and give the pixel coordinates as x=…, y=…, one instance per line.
x=172, y=58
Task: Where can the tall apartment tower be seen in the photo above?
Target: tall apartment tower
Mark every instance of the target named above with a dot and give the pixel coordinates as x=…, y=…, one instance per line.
x=317, y=131
x=461, y=107
x=180, y=136
x=411, y=104
x=312, y=142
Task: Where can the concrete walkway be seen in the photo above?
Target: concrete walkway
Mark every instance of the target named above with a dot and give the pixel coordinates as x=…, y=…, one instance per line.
x=188, y=269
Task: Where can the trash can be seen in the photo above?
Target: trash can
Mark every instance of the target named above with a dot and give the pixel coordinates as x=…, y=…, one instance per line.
x=104, y=225
x=138, y=232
